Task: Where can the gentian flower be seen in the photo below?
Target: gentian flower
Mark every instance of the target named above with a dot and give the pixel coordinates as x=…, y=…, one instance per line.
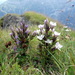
x=27, y=31
x=26, y=26
x=16, y=37
x=17, y=42
x=40, y=37
x=46, y=25
x=52, y=24
x=34, y=33
x=38, y=31
x=11, y=34
x=48, y=41
x=56, y=34
x=58, y=46
x=41, y=26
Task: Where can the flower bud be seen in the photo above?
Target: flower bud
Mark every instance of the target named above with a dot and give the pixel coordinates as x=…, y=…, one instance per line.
x=34, y=33
x=46, y=25
x=25, y=27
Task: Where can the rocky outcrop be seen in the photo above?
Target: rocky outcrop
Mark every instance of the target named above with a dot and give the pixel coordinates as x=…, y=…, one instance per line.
x=11, y=20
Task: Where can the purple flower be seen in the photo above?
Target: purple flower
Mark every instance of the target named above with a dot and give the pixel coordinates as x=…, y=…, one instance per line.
x=27, y=31
x=25, y=27
x=17, y=30
x=17, y=42
x=12, y=29
x=22, y=24
x=41, y=26
x=11, y=34
x=21, y=30
x=15, y=48
x=16, y=37
x=34, y=33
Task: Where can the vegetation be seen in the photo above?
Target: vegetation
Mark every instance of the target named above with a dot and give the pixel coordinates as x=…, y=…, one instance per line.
x=34, y=17
x=63, y=62
x=1, y=22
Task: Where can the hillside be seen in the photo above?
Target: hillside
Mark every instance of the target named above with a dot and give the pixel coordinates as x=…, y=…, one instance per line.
x=31, y=57
x=29, y=17
x=50, y=8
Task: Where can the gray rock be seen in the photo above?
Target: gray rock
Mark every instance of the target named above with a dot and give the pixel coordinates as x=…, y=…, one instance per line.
x=12, y=20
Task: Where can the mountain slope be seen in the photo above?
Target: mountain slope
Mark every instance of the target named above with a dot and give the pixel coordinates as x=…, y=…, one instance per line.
x=59, y=10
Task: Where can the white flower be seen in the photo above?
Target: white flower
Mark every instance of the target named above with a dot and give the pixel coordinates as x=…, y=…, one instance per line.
x=56, y=34
x=58, y=45
x=52, y=29
x=41, y=26
x=52, y=24
x=40, y=37
x=48, y=41
x=68, y=30
x=42, y=31
x=38, y=31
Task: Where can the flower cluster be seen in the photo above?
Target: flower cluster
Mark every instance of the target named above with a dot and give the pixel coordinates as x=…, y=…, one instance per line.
x=48, y=36
x=21, y=36
x=67, y=29
x=48, y=42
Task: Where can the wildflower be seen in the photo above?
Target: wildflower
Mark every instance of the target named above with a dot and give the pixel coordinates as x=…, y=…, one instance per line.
x=52, y=29
x=17, y=30
x=52, y=24
x=68, y=30
x=56, y=34
x=42, y=31
x=27, y=31
x=48, y=41
x=41, y=26
x=46, y=25
x=17, y=42
x=34, y=33
x=38, y=31
x=15, y=48
x=40, y=37
x=25, y=27
x=46, y=21
x=16, y=37
x=11, y=34
x=58, y=46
